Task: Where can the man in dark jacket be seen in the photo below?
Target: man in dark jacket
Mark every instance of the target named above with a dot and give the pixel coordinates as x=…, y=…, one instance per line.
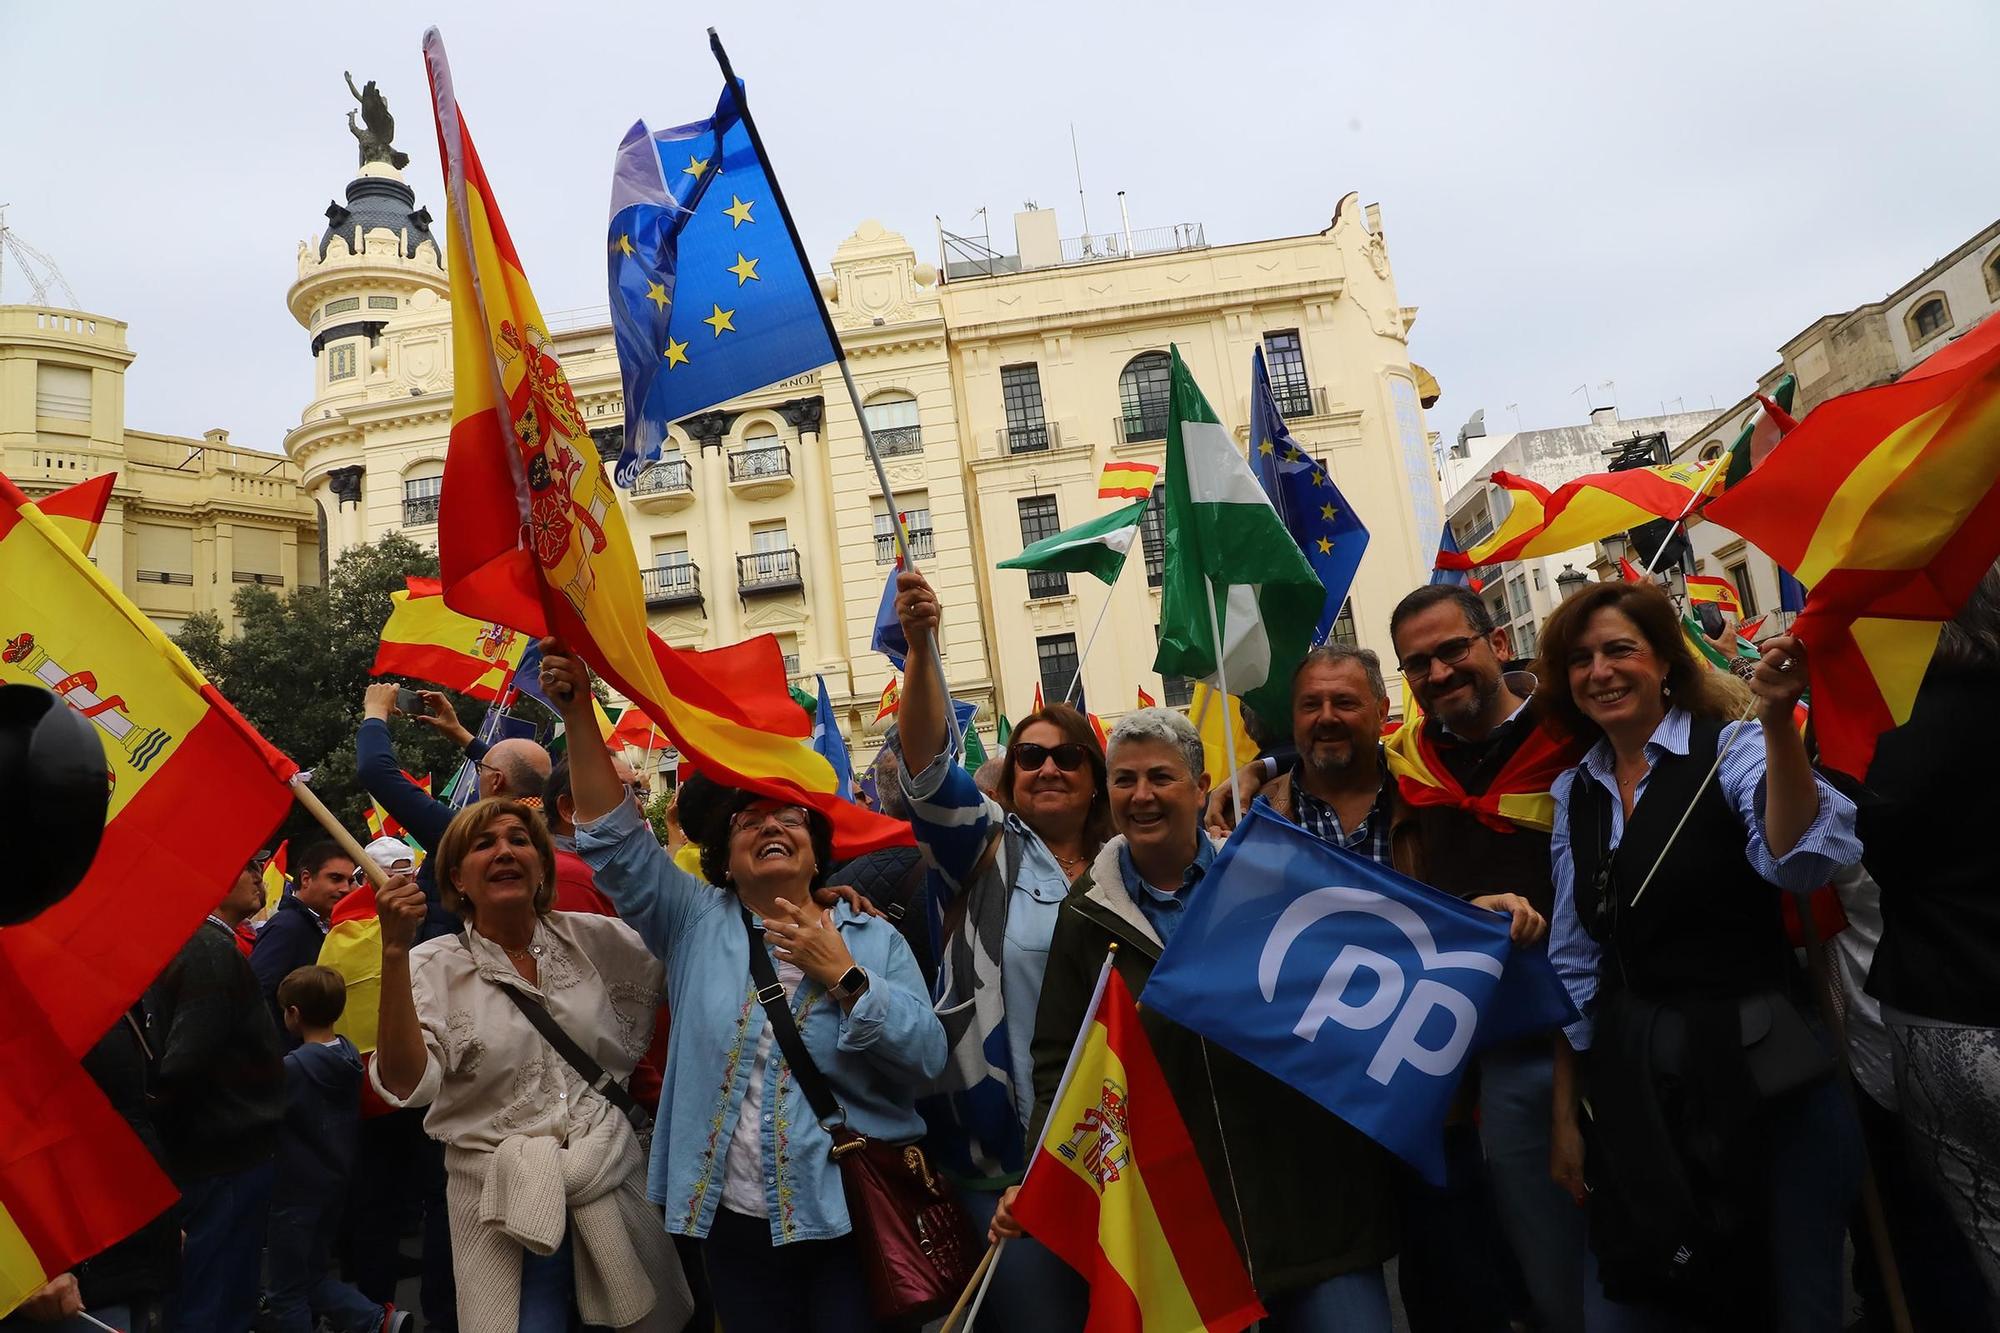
x=1308, y=1198
x=220, y=1088
x=291, y=938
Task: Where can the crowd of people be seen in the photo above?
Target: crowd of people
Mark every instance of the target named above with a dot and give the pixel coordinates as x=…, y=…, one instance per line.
x=599, y=1068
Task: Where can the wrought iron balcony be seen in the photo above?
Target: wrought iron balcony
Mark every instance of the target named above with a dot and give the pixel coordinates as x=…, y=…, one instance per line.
x=791, y=665
x=419, y=510
x=900, y=440
x=1148, y=423
x=668, y=585
x=1048, y=583
x=1299, y=400
x=769, y=571
x=922, y=545
x=1027, y=439
x=755, y=464
x=668, y=484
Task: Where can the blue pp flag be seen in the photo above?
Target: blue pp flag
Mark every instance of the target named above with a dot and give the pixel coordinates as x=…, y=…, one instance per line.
x=1301, y=489
x=710, y=292
x=828, y=743
x=1360, y=987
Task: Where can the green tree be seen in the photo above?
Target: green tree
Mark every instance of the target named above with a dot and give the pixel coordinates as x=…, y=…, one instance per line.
x=298, y=667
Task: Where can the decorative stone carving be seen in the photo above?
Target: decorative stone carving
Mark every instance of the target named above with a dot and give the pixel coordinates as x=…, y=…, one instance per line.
x=803, y=415
x=706, y=429
x=345, y=483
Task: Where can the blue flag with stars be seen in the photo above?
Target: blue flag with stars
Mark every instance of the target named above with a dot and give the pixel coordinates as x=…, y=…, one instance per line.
x=1302, y=491
x=710, y=295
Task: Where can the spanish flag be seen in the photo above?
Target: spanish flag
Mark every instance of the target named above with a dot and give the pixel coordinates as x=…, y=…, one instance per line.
x=1146, y=700
x=1886, y=504
x=173, y=745
x=1517, y=798
x=1216, y=716
x=1583, y=511
x=1127, y=479
x=530, y=533
x=427, y=640
x=381, y=824
x=1717, y=591
x=78, y=511
x=1116, y=1192
x=892, y=699
x=353, y=948
x=274, y=879
x=636, y=730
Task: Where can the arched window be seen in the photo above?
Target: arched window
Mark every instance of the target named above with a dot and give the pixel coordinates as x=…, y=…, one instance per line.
x=1711, y=451
x=892, y=420
x=422, y=485
x=1993, y=275
x=1144, y=388
x=1929, y=317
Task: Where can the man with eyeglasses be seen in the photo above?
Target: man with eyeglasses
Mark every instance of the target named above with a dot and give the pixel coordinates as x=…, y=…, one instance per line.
x=291, y=938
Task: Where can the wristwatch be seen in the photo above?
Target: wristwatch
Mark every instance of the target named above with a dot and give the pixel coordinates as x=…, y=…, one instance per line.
x=852, y=982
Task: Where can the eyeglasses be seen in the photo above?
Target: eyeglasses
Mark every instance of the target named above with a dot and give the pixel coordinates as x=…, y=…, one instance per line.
x=788, y=816
x=1451, y=652
x=1069, y=756
x=358, y=877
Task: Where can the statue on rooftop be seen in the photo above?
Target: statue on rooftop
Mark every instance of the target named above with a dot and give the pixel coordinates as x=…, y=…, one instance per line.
x=378, y=127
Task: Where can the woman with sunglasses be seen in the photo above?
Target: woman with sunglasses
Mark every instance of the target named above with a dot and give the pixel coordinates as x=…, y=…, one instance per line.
x=740, y=1161
x=1713, y=1122
x=1004, y=867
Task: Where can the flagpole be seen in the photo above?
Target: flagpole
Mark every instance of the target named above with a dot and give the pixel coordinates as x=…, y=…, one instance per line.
x=338, y=832
x=1222, y=687
x=839, y=353
x=1076, y=685
x=1721, y=465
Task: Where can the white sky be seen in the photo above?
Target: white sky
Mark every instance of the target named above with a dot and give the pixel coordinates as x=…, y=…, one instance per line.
x=1573, y=192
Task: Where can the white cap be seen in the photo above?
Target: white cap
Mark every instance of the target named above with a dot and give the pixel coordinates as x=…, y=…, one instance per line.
x=392, y=854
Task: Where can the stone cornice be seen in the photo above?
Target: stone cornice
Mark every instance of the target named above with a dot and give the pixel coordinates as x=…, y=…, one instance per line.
x=1207, y=305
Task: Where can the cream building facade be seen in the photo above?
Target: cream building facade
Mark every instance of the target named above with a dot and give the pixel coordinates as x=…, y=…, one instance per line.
x=189, y=520
x=764, y=514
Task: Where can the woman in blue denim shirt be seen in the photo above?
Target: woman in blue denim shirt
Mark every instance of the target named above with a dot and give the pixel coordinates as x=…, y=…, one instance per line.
x=739, y=1160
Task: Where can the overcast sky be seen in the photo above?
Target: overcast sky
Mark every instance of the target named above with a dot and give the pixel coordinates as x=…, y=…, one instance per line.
x=1573, y=193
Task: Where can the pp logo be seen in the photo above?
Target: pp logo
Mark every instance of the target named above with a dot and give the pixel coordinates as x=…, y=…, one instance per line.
x=1403, y=1006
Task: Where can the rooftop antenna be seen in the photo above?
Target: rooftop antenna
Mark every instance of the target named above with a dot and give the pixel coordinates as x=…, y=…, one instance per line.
x=1077, y=158
x=41, y=270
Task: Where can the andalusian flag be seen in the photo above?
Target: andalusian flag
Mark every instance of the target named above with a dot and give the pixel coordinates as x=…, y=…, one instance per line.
x=1716, y=591
x=530, y=533
x=173, y=745
x=426, y=640
x=1116, y=1192
x=1230, y=563
x=1760, y=434
x=1583, y=511
x=1097, y=548
x=1886, y=503
x=1127, y=479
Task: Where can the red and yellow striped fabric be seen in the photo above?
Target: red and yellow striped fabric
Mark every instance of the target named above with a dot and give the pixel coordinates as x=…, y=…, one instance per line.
x=78, y=511
x=892, y=699
x=530, y=532
x=1146, y=700
x=1116, y=1192
x=1720, y=592
x=173, y=745
x=381, y=824
x=274, y=879
x=353, y=948
x=426, y=640
x=1580, y=512
x=1886, y=504
x=1126, y=479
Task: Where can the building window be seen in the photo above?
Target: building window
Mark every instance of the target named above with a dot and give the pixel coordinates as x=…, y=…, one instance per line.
x=788, y=648
x=1175, y=691
x=1038, y=520
x=1517, y=596
x=1342, y=630
x=420, y=500
x=1537, y=572
x=1021, y=395
x=916, y=522
x=1526, y=637
x=1740, y=576
x=1285, y=359
x=1145, y=388
x=1057, y=654
x=62, y=391
x=340, y=362
x=381, y=303
x=1929, y=317
x=343, y=305
x=1153, y=538
x=892, y=420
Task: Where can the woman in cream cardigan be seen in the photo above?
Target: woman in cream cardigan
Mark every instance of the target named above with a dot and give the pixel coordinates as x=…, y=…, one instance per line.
x=545, y=1177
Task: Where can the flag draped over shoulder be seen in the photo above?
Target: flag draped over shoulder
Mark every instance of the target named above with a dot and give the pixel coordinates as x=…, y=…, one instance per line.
x=427, y=640
x=172, y=745
x=1360, y=987
x=1097, y=547
x=710, y=292
x=1221, y=529
x=1583, y=511
x=1517, y=797
x=1886, y=504
x=1116, y=1192
x=530, y=533
x=1329, y=533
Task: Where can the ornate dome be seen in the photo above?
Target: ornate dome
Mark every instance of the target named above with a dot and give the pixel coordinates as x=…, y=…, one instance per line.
x=379, y=201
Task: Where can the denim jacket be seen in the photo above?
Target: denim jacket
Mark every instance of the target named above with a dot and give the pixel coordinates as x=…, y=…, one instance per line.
x=875, y=1055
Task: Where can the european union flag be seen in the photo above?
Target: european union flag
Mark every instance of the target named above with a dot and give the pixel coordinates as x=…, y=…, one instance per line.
x=710, y=293
x=828, y=743
x=1362, y=988
x=1302, y=491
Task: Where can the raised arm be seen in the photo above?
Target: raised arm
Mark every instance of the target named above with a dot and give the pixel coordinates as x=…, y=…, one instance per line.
x=401, y=1058
x=920, y=718
x=594, y=784
x=375, y=767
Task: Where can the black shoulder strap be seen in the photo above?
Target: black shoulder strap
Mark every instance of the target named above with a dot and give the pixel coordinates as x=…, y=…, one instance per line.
x=819, y=1093
x=576, y=1057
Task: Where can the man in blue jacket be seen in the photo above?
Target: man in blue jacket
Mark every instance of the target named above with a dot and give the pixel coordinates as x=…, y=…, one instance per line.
x=291, y=938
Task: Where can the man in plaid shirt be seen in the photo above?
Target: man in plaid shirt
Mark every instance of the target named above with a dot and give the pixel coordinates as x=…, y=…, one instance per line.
x=1339, y=788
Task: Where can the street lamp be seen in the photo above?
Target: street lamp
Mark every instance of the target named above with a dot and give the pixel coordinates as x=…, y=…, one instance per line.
x=1570, y=580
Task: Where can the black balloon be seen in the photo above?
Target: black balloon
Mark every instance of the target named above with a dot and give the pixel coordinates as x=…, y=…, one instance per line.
x=54, y=790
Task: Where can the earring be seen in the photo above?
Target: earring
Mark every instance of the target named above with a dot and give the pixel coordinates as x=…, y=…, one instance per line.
x=1666, y=690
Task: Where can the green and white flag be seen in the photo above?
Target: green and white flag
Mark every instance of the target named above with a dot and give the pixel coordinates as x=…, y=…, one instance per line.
x=1220, y=526
x=1097, y=548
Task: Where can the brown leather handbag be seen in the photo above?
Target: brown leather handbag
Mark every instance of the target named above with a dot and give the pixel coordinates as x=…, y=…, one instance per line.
x=916, y=1242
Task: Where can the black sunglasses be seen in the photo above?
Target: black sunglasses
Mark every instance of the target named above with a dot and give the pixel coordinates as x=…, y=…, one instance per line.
x=1069, y=756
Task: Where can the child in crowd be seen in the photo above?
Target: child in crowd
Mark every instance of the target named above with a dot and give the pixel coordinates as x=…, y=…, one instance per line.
x=315, y=1156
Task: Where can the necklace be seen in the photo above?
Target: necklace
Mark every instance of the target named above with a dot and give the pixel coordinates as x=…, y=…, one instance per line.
x=1069, y=863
